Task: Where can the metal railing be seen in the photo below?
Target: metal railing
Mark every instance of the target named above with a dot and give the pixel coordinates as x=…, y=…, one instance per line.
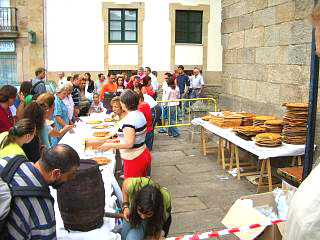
x=8, y=19
x=180, y=112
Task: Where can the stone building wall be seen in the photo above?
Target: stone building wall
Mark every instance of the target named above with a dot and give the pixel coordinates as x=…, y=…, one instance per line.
x=266, y=56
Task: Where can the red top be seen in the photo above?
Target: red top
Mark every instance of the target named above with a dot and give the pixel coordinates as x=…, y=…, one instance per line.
x=146, y=110
x=5, y=120
x=147, y=90
x=108, y=87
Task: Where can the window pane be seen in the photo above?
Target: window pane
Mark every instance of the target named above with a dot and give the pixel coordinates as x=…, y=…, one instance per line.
x=181, y=36
x=196, y=16
x=195, y=37
x=115, y=35
x=181, y=26
x=130, y=36
x=115, y=14
x=130, y=25
x=115, y=25
x=130, y=15
x=195, y=27
x=181, y=16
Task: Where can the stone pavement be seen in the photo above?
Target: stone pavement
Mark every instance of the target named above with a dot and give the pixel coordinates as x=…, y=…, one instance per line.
x=201, y=191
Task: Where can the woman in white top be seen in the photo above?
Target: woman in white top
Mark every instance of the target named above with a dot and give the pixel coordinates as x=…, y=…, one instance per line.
x=132, y=136
x=68, y=101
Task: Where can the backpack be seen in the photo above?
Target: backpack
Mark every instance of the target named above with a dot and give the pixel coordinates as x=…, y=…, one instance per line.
x=34, y=87
x=7, y=192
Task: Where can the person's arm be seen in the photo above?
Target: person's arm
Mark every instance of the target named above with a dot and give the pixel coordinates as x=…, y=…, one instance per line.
x=60, y=121
x=21, y=106
x=61, y=132
x=129, y=139
x=125, y=202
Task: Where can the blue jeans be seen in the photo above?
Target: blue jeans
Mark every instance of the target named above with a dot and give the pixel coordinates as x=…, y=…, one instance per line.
x=173, y=131
x=149, y=140
x=130, y=233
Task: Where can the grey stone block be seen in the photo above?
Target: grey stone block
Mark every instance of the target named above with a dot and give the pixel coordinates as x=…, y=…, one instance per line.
x=248, y=89
x=257, y=72
x=230, y=25
x=290, y=93
x=254, y=5
x=254, y=37
x=285, y=12
x=303, y=9
x=187, y=204
x=276, y=2
x=301, y=32
x=267, y=55
x=235, y=40
x=264, y=17
x=297, y=54
x=268, y=92
x=245, y=21
x=271, y=35
x=235, y=10
x=246, y=55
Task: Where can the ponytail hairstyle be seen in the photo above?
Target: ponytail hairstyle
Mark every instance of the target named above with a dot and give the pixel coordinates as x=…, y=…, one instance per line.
x=35, y=113
x=148, y=200
x=25, y=88
x=7, y=92
x=22, y=127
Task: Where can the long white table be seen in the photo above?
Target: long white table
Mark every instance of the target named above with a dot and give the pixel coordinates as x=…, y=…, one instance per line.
x=263, y=153
x=83, y=130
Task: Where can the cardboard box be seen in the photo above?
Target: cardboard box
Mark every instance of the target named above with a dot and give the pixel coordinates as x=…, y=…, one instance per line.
x=240, y=214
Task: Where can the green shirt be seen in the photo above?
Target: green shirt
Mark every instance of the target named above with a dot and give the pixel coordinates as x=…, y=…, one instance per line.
x=27, y=100
x=142, y=182
x=10, y=149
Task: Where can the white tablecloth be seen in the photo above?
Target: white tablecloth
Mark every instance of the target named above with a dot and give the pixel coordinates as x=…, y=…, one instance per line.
x=83, y=130
x=261, y=152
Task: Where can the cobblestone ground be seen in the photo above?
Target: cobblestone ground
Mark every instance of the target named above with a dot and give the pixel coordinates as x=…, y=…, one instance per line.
x=202, y=192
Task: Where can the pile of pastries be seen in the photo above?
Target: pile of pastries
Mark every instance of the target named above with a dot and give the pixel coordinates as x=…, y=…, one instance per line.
x=295, y=121
x=268, y=131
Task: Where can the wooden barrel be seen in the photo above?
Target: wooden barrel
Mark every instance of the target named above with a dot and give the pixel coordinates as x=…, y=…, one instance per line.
x=81, y=201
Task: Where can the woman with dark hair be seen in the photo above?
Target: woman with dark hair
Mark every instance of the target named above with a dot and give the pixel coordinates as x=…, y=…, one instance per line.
x=35, y=113
x=132, y=134
x=146, y=208
x=8, y=96
x=25, y=97
x=120, y=83
x=21, y=133
x=89, y=82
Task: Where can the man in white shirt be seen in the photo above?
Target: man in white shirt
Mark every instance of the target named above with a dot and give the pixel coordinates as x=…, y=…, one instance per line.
x=196, y=83
x=154, y=82
x=61, y=78
x=303, y=220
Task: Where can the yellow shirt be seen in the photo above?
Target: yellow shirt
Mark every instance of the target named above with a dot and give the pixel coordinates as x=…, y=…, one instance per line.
x=10, y=149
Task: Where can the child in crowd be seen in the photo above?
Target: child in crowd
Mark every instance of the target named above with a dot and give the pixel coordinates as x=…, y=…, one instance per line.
x=96, y=106
x=172, y=93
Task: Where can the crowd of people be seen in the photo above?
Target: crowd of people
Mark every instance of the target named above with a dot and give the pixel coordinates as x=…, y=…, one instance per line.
x=33, y=120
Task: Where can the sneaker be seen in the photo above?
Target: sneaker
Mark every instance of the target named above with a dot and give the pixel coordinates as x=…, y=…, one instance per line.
x=175, y=136
x=162, y=130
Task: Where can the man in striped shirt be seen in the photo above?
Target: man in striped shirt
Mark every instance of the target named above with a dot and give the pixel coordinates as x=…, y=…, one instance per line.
x=33, y=217
x=76, y=95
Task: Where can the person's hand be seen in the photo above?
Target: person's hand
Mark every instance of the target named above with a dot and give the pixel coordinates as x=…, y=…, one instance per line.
x=21, y=97
x=126, y=214
x=71, y=130
x=104, y=147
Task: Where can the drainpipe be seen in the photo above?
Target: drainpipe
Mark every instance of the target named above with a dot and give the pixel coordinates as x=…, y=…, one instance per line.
x=313, y=96
x=45, y=53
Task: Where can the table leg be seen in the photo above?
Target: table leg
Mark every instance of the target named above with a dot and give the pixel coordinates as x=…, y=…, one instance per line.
x=222, y=155
x=269, y=174
x=261, y=174
x=293, y=161
x=203, y=141
x=236, y=151
x=231, y=156
x=299, y=160
x=219, y=150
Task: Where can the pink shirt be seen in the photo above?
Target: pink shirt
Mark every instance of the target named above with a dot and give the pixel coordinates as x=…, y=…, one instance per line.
x=172, y=94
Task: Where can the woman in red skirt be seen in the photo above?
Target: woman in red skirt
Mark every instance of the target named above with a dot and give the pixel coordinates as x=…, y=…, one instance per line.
x=132, y=134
